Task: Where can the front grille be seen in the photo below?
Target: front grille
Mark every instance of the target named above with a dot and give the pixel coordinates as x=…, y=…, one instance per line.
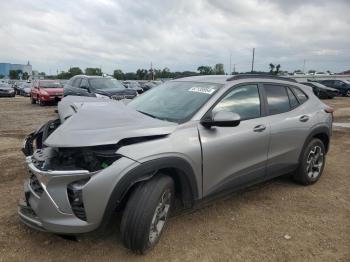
x=35, y=185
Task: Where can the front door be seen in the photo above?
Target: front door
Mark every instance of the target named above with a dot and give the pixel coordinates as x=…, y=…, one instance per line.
x=233, y=156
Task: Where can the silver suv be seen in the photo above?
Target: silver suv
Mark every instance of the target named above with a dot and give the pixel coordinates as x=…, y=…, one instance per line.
x=185, y=140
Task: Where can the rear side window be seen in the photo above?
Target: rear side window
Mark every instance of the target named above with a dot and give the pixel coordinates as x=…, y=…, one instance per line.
x=277, y=99
x=292, y=99
x=300, y=95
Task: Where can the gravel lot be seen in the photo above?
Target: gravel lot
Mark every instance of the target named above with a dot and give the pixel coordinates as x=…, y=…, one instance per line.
x=276, y=221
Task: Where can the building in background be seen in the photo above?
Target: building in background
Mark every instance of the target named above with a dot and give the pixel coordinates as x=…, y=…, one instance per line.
x=5, y=68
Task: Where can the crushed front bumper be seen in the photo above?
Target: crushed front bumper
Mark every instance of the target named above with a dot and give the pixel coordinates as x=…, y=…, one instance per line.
x=28, y=217
x=47, y=205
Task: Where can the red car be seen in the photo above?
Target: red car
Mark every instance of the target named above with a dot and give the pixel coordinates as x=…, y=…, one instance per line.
x=45, y=91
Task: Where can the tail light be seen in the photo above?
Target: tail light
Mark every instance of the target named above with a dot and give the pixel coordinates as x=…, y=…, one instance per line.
x=329, y=110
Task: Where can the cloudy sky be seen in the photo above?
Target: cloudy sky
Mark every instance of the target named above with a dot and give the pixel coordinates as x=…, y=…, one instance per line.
x=181, y=34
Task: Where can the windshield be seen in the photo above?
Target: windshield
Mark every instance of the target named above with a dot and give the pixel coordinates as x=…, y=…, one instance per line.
x=50, y=84
x=105, y=83
x=174, y=101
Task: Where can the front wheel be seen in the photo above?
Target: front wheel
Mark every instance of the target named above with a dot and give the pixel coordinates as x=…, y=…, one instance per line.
x=312, y=163
x=146, y=213
x=40, y=102
x=347, y=93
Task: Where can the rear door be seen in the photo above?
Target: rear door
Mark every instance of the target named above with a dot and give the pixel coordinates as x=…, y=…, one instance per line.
x=290, y=124
x=234, y=156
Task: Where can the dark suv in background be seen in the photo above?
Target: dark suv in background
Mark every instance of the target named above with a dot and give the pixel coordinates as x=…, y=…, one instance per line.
x=98, y=86
x=343, y=86
x=322, y=91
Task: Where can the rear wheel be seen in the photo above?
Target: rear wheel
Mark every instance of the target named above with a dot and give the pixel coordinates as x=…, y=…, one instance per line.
x=312, y=163
x=146, y=213
x=32, y=100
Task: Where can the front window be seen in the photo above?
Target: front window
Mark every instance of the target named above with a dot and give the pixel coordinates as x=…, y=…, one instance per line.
x=50, y=84
x=243, y=100
x=105, y=84
x=174, y=101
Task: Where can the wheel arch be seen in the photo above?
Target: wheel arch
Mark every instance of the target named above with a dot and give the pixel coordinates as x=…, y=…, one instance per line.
x=322, y=133
x=177, y=168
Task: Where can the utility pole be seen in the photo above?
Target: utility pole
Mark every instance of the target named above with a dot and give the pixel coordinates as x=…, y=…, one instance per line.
x=230, y=64
x=253, y=60
x=152, y=71
x=234, y=68
x=304, y=66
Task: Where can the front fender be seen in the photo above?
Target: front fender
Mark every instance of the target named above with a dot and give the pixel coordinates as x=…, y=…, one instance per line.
x=145, y=171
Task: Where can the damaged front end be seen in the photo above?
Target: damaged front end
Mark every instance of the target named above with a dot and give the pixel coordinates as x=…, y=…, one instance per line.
x=91, y=158
x=57, y=178
x=36, y=139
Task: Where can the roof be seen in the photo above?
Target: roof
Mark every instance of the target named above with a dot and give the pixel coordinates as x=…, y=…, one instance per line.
x=217, y=79
x=223, y=79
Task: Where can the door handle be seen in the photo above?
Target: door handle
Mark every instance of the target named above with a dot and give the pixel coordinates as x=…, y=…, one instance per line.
x=259, y=128
x=304, y=118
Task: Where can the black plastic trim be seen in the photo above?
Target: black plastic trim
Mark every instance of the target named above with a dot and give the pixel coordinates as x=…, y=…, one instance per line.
x=144, y=172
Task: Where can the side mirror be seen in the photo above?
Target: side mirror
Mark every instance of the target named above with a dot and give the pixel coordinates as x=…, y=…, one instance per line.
x=222, y=119
x=85, y=88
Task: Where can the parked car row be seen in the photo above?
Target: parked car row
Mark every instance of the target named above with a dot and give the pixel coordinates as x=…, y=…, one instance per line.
x=6, y=90
x=45, y=91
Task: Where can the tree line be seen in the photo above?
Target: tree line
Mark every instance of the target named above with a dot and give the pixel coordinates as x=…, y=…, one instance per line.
x=143, y=74
x=149, y=74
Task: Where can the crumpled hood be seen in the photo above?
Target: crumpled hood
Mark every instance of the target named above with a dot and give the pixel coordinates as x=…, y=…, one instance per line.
x=89, y=121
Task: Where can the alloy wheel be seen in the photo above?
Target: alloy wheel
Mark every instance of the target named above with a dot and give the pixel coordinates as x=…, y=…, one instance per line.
x=315, y=161
x=160, y=216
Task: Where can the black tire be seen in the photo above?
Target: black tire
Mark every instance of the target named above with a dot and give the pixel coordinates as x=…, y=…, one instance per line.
x=306, y=173
x=32, y=100
x=40, y=102
x=140, y=211
x=347, y=93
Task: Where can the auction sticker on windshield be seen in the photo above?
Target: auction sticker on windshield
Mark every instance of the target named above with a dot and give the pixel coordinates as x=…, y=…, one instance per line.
x=204, y=90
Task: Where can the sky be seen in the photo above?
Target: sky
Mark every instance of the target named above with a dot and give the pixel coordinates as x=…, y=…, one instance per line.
x=180, y=35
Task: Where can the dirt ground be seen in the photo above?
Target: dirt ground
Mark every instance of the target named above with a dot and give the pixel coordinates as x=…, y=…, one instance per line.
x=247, y=226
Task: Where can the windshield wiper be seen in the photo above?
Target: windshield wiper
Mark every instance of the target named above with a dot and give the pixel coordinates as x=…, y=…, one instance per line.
x=146, y=114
